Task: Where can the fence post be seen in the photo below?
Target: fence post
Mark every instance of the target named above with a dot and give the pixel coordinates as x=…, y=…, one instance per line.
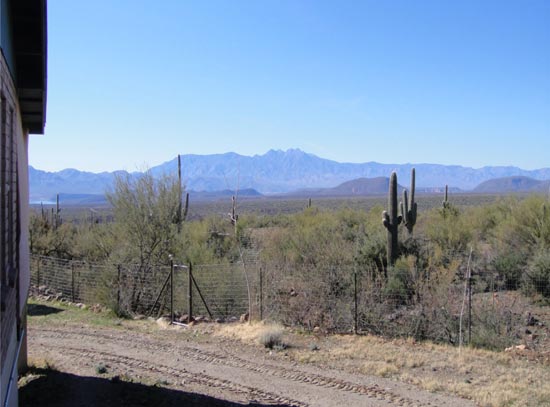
x=261, y=294
x=190, y=294
x=38, y=274
x=470, y=307
x=171, y=291
x=118, y=270
x=355, y=311
x=72, y=281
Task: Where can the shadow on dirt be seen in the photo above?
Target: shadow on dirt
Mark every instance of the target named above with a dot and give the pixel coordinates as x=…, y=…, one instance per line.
x=36, y=310
x=48, y=388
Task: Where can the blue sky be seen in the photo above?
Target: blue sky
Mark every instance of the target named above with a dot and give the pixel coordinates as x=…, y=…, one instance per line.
x=133, y=83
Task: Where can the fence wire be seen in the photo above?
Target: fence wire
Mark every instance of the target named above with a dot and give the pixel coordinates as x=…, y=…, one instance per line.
x=144, y=289
x=462, y=302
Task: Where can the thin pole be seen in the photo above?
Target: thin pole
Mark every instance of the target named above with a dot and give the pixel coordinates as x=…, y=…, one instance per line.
x=202, y=297
x=261, y=294
x=190, y=294
x=160, y=293
x=469, y=307
x=179, y=217
x=118, y=288
x=355, y=317
x=172, y=291
x=72, y=282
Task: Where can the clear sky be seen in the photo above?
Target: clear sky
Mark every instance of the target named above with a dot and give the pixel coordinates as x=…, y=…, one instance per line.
x=134, y=82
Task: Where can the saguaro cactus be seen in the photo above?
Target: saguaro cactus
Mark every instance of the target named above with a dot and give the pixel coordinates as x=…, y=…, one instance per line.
x=446, y=199
x=391, y=221
x=408, y=206
x=186, y=207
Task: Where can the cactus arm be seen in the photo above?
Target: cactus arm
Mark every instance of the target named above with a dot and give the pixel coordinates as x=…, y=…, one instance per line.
x=386, y=219
x=409, y=210
x=413, y=186
x=405, y=207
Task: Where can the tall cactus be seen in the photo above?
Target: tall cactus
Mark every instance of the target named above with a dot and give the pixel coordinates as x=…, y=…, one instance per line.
x=391, y=221
x=446, y=203
x=186, y=207
x=408, y=206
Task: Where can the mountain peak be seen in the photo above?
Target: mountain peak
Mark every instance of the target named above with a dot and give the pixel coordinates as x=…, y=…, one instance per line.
x=279, y=171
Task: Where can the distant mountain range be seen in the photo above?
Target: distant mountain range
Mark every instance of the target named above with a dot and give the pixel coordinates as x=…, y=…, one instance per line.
x=281, y=172
x=356, y=187
x=513, y=184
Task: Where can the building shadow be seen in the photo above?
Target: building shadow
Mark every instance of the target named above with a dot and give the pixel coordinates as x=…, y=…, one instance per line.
x=35, y=310
x=49, y=388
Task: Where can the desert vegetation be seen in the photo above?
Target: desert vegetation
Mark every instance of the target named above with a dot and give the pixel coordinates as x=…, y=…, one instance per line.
x=326, y=267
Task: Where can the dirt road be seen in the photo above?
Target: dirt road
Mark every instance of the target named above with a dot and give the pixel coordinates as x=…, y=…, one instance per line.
x=209, y=371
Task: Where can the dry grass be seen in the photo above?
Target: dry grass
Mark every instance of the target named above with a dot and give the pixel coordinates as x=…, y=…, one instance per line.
x=272, y=338
x=497, y=379
x=489, y=378
x=268, y=335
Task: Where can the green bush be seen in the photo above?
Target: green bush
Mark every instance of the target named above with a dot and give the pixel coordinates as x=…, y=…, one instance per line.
x=538, y=274
x=398, y=288
x=509, y=267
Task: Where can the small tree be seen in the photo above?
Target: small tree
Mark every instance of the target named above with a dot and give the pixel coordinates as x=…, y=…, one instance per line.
x=146, y=212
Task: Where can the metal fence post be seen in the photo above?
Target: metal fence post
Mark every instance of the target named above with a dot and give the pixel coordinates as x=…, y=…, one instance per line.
x=171, y=291
x=355, y=310
x=469, y=308
x=72, y=282
x=38, y=273
x=118, y=270
x=190, y=294
x=261, y=294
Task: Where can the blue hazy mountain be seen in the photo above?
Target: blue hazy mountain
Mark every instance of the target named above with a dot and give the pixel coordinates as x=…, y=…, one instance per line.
x=276, y=171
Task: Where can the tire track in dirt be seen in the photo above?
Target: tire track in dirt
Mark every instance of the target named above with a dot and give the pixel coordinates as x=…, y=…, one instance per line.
x=258, y=396
x=377, y=394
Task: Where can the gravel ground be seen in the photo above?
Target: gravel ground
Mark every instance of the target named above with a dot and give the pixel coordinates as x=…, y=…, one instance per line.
x=130, y=366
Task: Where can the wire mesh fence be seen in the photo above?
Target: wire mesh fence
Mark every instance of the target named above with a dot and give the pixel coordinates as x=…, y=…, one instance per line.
x=462, y=302
x=218, y=290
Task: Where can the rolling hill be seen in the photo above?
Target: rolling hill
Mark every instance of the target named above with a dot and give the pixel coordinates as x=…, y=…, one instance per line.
x=512, y=184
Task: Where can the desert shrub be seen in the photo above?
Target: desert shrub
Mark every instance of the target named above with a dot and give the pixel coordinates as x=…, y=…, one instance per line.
x=94, y=243
x=531, y=218
x=537, y=277
x=494, y=328
x=448, y=229
x=46, y=240
x=310, y=297
x=314, y=237
x=509, y=268
x=145, y=210
x=100, y=368
x=272, y=337
x=397, y=289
